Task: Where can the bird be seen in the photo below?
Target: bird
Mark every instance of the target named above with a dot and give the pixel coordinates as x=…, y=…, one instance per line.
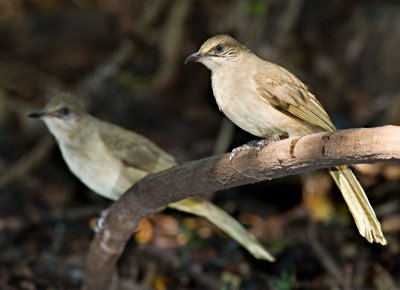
x=270, y=102
x=109, y=159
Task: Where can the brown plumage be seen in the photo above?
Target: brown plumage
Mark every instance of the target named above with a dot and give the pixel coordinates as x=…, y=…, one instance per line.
x=268, y=101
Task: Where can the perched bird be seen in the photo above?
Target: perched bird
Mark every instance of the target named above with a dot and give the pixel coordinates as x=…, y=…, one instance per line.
x=109, y=160
x=268, y=101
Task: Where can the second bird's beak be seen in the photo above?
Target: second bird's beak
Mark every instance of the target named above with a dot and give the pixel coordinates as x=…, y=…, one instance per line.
x=37, y=114
x=193, y=57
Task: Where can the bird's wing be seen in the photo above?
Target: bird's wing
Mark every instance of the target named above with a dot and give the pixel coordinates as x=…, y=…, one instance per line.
x=288, y=94
x=135, y=150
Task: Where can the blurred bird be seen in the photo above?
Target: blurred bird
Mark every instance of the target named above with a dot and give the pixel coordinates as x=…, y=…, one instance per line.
x=109, y=160
x=268, y=101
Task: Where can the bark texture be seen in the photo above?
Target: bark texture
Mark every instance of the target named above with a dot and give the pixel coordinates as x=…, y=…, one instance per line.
x=278, y=159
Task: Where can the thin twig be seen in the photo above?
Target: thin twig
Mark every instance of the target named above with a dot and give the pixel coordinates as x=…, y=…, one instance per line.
x=324, y=257
x=171, y=41
x=107, y=70
x=27, y=162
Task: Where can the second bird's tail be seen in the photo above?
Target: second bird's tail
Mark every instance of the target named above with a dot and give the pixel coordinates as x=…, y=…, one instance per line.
x=226, y=223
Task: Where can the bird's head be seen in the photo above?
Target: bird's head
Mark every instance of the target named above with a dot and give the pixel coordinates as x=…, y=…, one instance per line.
x=62, y=115
x=218, y=51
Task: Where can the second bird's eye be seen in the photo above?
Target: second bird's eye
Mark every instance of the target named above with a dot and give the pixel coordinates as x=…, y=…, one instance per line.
x=64, y=111
x=219, y=48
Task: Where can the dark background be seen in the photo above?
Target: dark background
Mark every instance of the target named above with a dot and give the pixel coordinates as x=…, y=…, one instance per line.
x=126, y=60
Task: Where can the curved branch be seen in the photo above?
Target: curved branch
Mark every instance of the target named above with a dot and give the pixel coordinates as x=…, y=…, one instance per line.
x=278, y=159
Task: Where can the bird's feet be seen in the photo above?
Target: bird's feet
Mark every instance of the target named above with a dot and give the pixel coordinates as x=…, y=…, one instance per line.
x=236, y=150
x=100, y=220
x=258, y=144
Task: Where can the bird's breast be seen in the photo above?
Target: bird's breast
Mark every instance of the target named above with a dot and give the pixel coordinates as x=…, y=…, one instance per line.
x=98, y=169
x=237, y=98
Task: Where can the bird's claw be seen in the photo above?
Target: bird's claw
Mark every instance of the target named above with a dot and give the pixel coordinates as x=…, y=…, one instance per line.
x=100, y=221
x=237, y=150
x=258, y=144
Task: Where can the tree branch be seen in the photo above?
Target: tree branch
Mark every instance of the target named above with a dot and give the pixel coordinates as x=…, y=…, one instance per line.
x=282, y=158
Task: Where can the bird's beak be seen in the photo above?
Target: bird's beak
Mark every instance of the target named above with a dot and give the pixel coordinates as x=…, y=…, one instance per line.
x=37, y=114
x=193, y=57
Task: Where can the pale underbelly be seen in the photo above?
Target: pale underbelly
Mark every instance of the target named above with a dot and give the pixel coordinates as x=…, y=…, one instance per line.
x=105, y=176
x=262, y=120
x=251, y=113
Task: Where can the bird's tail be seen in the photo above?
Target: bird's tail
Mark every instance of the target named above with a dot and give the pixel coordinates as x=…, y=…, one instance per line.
x=226, y=223
x=354, y=195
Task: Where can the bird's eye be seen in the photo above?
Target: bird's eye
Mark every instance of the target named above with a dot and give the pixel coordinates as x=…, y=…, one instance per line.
x=219, y=48
x=64, y=111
